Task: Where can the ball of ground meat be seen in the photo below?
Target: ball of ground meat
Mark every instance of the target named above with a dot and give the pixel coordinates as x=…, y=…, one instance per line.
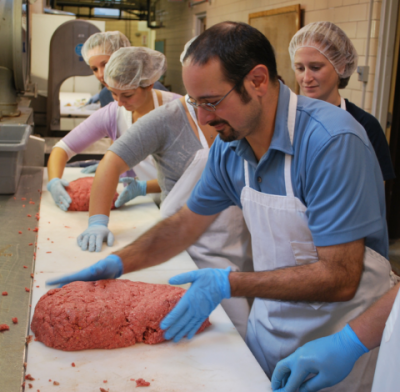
x=79, y=191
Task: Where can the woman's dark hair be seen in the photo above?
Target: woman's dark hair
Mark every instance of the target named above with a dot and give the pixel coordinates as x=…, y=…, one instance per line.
x=239, y=47
x=343, y=82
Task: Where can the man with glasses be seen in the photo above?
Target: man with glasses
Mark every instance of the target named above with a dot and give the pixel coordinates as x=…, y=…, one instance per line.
x=311, y=191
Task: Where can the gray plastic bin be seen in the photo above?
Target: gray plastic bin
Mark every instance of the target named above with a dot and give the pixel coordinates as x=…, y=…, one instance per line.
x=13, y=141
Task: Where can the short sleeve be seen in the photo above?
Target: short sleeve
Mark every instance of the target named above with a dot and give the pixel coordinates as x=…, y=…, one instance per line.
x=69, y=152
x=209, y=196
x=342, y=188
x=143, y=138
x=100, y=124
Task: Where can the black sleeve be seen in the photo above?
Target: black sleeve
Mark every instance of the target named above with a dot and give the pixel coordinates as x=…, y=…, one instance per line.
x=376, y=136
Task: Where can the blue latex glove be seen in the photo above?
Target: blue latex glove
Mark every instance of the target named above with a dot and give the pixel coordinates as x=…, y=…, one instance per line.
x=109, y=268
x=331, y=359
x=209, y=287
x=93, y=99
x=97, y=232
x=135, y=188
x=90, y=169
x=58, y=192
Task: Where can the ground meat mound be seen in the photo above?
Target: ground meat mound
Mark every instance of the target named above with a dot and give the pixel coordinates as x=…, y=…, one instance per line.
x=79, y=190
x=104, y=314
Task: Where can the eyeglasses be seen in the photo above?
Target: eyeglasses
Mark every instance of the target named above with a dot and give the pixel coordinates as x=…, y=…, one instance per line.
x=209, y=106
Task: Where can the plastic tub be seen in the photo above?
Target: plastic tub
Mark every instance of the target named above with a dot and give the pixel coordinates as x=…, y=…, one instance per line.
x=13, y=141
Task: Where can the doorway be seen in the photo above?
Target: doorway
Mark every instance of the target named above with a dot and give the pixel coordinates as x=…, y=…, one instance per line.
x=201, y=23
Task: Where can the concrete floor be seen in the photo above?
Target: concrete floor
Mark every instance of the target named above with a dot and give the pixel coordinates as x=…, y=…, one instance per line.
x=394, y=255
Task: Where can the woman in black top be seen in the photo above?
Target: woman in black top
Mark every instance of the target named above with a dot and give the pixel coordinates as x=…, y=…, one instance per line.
x=323, y=59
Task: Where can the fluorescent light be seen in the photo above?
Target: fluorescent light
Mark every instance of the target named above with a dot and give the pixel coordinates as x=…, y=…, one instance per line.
x=106, y=12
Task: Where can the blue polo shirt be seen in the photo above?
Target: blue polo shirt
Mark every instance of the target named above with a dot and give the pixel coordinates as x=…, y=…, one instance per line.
x=335, y=174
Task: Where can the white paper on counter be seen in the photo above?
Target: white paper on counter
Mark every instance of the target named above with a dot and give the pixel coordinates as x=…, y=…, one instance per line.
x=215, y=360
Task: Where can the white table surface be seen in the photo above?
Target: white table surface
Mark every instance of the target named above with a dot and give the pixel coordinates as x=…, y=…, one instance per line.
x=215, y=360
x=71, y=104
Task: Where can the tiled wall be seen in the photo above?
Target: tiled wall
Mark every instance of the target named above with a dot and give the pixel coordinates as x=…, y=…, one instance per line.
x=350, y=15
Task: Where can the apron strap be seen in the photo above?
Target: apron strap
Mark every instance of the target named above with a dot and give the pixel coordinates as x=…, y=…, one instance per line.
x=155, y=99
x=288, y=177
x=246, y=173
x=192, y=113
x=288, y=158
x=342, y=103
x=292, y=115
x=124, y=121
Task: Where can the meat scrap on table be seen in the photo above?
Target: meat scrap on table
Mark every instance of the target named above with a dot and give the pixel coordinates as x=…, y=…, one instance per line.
x=140, y=382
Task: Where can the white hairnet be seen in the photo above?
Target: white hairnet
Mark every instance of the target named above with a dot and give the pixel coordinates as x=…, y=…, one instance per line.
x=185, y=49
x=329, y=40
x=103, y=44
x=130, y=68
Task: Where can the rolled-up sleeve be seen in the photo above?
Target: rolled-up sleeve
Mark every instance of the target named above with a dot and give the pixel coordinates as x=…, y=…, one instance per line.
x=100, y=124
x=209, y=196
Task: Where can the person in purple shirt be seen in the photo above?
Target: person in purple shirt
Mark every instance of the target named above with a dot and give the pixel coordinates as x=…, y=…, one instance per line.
x=130, y=73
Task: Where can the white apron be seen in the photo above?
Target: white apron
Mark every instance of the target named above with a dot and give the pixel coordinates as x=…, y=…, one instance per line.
x=281, y=238
x=145, y=170
x=225, y=243
x=386, y=374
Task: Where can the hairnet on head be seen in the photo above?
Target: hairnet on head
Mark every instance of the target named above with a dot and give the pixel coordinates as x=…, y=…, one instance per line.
x=103, y=44
x=185, y=49
x=329, y=40
x=130, y=68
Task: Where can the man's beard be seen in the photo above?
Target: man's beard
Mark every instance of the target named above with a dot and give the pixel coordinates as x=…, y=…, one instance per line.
x=231, y=136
